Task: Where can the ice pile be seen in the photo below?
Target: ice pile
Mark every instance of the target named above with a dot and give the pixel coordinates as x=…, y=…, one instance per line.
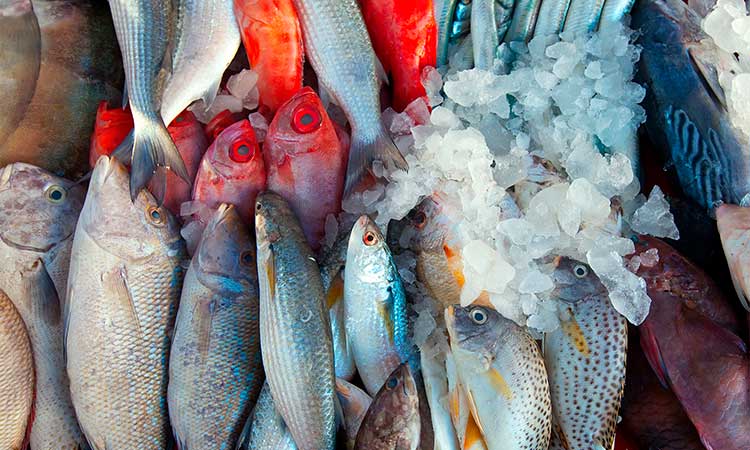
x=538, y=162
x=240, y=93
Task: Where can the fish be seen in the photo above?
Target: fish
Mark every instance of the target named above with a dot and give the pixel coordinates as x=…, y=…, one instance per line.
x=392, y=421
x=272, y=39
x=551, y=17
x=374, y=306
x=484, y=34
x=585, y=360
x=232, y=171
x=305, y=162
x=613, y=13
x=220, y=122
x=685, y=105
x=445, y=11
x=17, y=383
x=734, y=227
x=522, y=25
x=124, y=285
x=354, y=405
x=503, y=376
x=145, y=29
x=111, y=127
x=435, y=379
x=693, y=350
x=416, y=47
x=583, y=16
x=69, y=61
x=215, y=359
x=20, y=59
x=467, y=431
x=265, y=428
x=294, y=331
x=340, y=51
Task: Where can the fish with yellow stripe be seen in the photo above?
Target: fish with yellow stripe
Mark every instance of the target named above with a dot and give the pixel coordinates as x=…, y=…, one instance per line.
x=585, y=360
x=502, y=374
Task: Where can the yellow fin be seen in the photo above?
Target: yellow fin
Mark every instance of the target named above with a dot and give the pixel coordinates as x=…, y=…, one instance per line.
x=473, y=436
x=335, y=291
x=271, y=274
x=499, y=384
x=574, y=332
x=385, y=314
x=454, y=404
x=474, y=411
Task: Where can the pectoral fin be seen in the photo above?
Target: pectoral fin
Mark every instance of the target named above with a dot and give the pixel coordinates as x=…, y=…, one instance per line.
x=116, y=282
x=45, y=303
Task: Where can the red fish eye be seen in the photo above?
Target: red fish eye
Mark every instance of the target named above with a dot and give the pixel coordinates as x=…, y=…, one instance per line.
x=369, y=238
x=306, y=119
x=241, y=151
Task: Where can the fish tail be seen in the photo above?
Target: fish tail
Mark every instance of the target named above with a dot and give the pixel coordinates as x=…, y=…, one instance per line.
x=153, y=147
x=366, y=149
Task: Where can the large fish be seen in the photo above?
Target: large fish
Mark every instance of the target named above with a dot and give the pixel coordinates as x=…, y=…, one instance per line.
x=392, y=421
x=503, y=375
x=294, y=330
x=585, y=360
x=354, y=405
x=734, y=228
x=340, y=51
x=17, y=382
x=215, y=370
x=265, y=428
x=685, y=104
x=123, y=289
x=374, y=306
x=145, y=29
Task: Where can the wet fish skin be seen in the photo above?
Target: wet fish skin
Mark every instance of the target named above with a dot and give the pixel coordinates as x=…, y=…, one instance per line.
x=468, y=433
x=354, y=404
x=484, y=35
x=525, y=14
x=294, y=329
x=732, y=221
x=123, y=288
x=551, y=17
x=374, y=306
x=392, y=421
x=265, y=428
x=583, y=16
x=340, y=51
x=585, y=360
x=504, y=379
x=444, y=15
x=215, y=368
x=436, y=386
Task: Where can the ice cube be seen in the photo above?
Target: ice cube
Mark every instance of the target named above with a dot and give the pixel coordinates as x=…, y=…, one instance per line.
x=627, y=291
x=535, y=282
x=260, y=125
x=654, y=217
x=243, y=86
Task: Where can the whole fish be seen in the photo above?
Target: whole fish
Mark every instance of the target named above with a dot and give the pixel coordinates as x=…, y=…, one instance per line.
x=145, y=28
x=123, y=288
x=272, y=39
x=20, y=59
x=294, y=330
x=693, y=350
x=585, y=360
x=484, y=35
x=685, y=104
x=416, y=47
x=392, y=421
x=374, y=306
x=17, y=382
x=503, y=375
x=215, y=360
x=111, y=127
x=354, y=405
x=265, y=428
x=305, y=162
x=340, y=51
x=232, y=171
x=734, y=228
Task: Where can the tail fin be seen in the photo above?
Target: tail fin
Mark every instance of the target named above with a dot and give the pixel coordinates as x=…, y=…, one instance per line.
x=152, y=148
x=363, y=152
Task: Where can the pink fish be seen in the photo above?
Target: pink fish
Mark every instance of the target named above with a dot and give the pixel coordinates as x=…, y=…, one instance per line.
x=187, y=134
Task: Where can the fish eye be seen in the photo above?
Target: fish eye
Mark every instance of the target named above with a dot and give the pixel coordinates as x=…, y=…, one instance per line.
x=478, y=315
x=306, y=119
x=419, y=220
x=241, y=151
x=391, y=383
x=247, y=258
x=580, y=271
x=369, y=238
x=55, y=194
x=258, y=207
x=155, y=216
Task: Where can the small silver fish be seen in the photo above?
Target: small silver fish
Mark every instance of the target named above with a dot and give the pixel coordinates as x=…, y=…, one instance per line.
x=354, y=405
x=484, y=35
x=525, y=13
x=583, y=16
x=265, y=428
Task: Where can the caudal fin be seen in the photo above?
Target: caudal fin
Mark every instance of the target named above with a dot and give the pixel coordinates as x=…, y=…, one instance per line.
x=365, y=150
x=152, y=148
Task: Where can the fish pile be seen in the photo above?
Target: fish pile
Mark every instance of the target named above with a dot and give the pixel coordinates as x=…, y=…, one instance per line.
x=323, y=224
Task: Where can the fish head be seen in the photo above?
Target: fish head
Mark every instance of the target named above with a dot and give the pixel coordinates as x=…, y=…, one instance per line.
x=575, y=281
x=274, y=218
x=398, y=400
x=474, y=332
x=131, y=230
x=429, y=223
x=235, y=154
x=40, y=210
x=367, y=255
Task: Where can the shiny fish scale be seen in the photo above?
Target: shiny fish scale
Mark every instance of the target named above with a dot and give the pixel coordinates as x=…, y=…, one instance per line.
x=266, y=429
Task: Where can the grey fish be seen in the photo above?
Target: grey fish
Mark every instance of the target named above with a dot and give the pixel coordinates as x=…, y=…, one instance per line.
x=503, y=16
x=215, y=368
x=354, y=405
x=585, y=360
x=294, y=329
x=444, y=13
x=525, y=13
x=614, y=11
x=392, y=421
x=686, y=108
x=265, y=428
x=552, y=15
x=583, y=16
x=484, y=36
x=123, y=288
x=144, y=30
x=340, y=51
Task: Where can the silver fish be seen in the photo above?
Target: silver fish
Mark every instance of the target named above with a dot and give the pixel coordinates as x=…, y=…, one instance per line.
x=354, y=404
x=340, y=51
x=583, y=16
x=144, y=30
x=123, y=288
x=551, y=18
x=484, y=36
x=585, y=360
x=215, y=359
x=294, y=330
x=265, y=428
x=436, y=386
x=614, y=11
x=525, y=13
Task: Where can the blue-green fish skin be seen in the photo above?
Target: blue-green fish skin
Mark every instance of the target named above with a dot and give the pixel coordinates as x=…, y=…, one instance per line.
x=265, y=428
x=484, y=33
x=551, y=17
x=525, y=13
x=444, y=15
x=583, y=16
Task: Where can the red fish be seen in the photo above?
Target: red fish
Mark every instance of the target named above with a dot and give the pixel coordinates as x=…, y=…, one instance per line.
x=272, y=39
x=306, y=162
x=187, y=134
x=220, y=122
x=232, y=171
x=404, y=36
x=691, y=343
x=110, y=128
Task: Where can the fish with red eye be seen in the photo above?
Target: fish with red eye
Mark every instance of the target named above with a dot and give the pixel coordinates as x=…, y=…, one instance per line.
x=306, y=162
x=232, y=171
x=404, y=36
